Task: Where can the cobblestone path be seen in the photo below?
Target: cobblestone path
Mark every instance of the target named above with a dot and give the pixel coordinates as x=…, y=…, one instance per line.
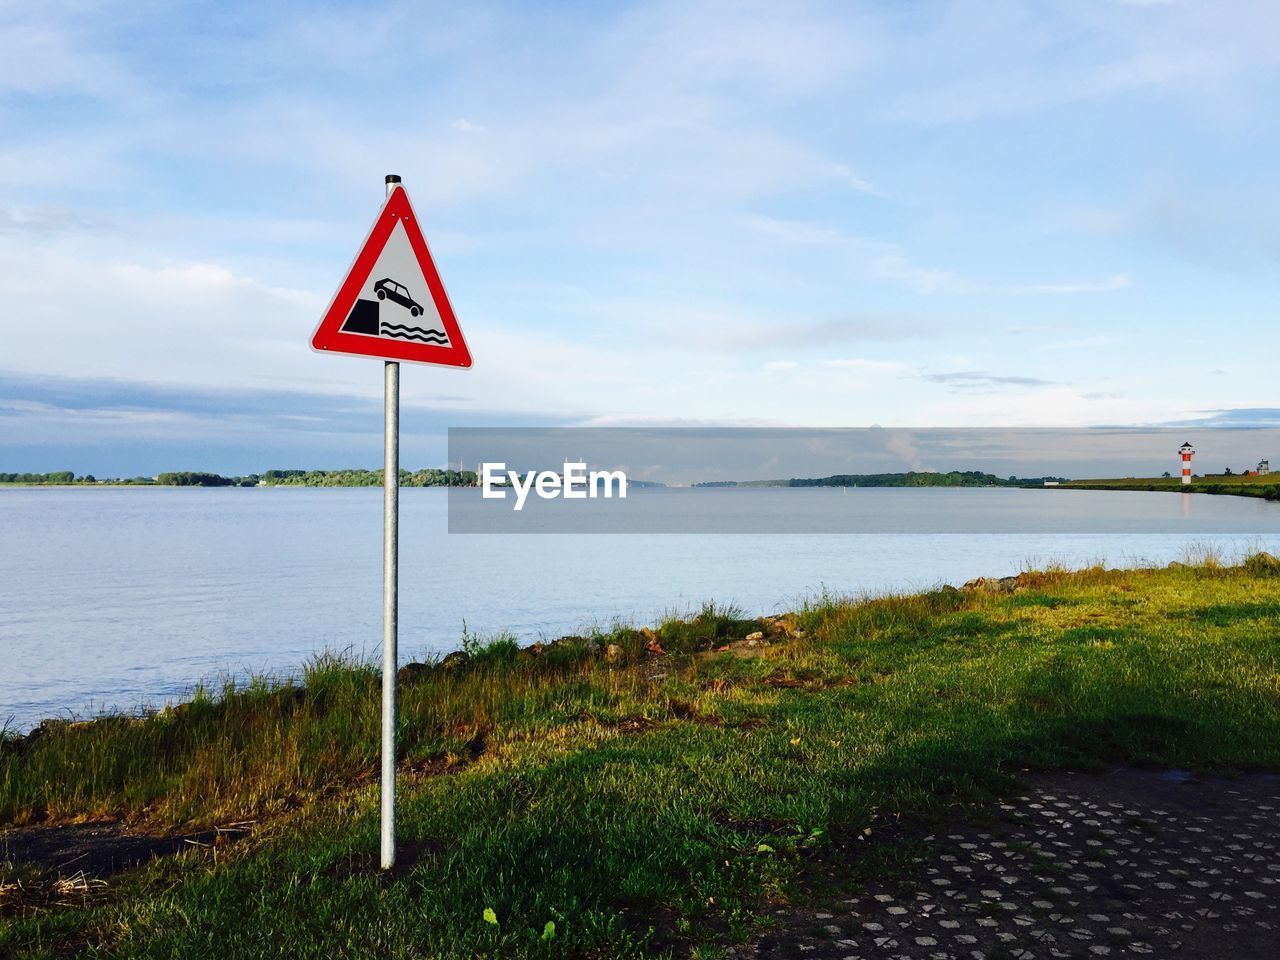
x=1131, y=864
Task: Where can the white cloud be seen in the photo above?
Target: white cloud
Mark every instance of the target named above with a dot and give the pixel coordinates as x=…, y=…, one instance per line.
x=884, y=260
x=50, y=219
x=48, y=56
x=1081, y=343
x=867, y=366
x=925, y=280
x=99, y=316
x=981, y=380
x=842, y=172
x=741, y=333
x=1119, y=281
x=796, y=232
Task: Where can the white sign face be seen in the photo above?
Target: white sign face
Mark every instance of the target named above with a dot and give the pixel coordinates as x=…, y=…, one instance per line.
x=394, y=301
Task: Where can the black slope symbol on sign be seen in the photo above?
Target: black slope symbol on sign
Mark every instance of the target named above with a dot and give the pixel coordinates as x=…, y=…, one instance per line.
x=388, y=289
x=363, y=318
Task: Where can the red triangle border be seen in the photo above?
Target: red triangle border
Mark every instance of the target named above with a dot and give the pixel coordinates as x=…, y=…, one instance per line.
x=329, y=337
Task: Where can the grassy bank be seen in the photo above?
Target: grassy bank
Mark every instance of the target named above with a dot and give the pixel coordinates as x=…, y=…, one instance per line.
x=1266, y=486
x=625, y=793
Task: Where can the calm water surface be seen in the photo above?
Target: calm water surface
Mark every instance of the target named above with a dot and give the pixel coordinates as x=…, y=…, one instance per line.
x=116, y=597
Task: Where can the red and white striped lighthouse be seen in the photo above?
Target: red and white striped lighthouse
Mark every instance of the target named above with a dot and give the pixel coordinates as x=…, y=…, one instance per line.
x=1187, y=451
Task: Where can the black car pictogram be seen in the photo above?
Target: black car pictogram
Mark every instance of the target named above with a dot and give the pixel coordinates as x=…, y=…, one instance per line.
x=388, y=289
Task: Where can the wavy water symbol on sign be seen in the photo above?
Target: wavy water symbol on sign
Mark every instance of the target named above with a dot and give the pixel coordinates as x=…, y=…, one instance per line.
x=404, y=332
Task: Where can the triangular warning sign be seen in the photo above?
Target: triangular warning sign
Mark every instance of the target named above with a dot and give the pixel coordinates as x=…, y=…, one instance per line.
x=392, y=304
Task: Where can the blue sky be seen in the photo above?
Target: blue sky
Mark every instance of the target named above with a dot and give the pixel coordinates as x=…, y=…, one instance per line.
x=845, y=214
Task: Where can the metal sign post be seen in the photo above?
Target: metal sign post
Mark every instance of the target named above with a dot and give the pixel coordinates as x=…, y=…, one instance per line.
x=390, y=592
x=390, y=599
x=393, y=306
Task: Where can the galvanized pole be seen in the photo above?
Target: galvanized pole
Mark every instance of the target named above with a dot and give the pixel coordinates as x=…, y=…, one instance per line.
x=390, y=591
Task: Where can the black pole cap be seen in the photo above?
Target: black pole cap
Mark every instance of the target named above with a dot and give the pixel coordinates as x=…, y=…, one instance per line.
x=392, y=178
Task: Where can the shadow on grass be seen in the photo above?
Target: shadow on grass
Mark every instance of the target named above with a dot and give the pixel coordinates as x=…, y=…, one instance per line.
x=1225, y=614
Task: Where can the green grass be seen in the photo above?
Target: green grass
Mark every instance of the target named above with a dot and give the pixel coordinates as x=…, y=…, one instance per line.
x=1266, y=486
x=649, y=804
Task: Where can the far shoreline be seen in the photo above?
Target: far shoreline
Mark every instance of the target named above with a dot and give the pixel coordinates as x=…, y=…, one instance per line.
x=1222, y=485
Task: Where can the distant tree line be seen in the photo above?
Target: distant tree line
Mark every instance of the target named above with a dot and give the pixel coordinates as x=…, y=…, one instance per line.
x=912, y=478
x=319, y=478
x=427, y=477
x=195, y=478
x=58, y=476
x=62, y=478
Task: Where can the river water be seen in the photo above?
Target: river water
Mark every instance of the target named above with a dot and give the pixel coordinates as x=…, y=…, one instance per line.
x=115, y=598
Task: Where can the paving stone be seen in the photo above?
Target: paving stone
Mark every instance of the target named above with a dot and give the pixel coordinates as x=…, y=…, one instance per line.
x=1199, y=878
